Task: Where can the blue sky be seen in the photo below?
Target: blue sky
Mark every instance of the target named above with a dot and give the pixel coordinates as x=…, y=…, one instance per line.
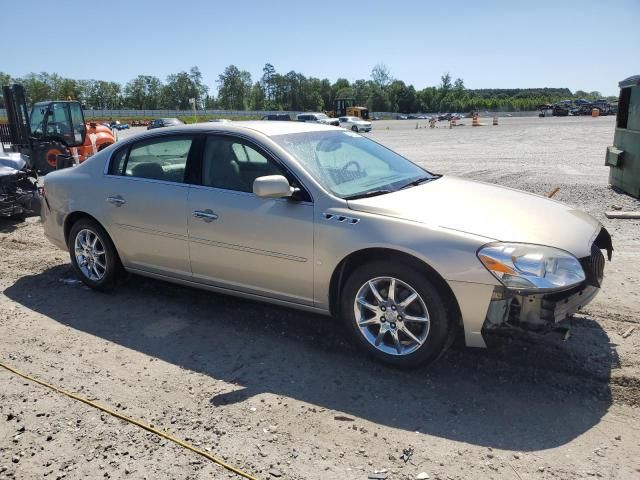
x=589, y=45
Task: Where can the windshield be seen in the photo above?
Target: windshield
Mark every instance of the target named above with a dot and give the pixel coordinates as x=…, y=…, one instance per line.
x=350, y=165
x=321, y=116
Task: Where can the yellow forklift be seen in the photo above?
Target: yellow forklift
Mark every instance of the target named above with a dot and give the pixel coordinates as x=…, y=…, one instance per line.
x=346, y=107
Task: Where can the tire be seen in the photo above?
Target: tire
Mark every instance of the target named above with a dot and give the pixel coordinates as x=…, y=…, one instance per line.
x=354, y=128
x=103, y=269
x=103, y=146
x=432, y=335
x=47, y=157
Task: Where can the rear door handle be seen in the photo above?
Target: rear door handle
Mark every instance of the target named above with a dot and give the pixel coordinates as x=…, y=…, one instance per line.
x=206, y=215
x=116, y=200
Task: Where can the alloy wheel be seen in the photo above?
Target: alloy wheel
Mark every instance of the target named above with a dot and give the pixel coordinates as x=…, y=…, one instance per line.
x=391, y=315
x=90, y=254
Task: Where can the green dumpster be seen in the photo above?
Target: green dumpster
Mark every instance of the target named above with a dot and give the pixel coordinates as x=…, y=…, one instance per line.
x=623, y=158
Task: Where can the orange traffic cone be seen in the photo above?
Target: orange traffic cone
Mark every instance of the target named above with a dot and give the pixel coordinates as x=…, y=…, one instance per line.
x=474, y=121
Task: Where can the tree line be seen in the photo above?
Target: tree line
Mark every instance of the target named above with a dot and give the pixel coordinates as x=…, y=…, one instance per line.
x=236, y=90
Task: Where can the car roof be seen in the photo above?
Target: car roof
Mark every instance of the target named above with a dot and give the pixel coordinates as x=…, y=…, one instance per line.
x=265, y=127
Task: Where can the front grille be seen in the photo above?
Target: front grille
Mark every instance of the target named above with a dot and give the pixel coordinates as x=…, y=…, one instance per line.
x=593, y=266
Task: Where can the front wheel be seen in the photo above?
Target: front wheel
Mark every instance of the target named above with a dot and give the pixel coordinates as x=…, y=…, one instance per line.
x=395, y=314
x=93, y=255
x=47, y=157
x=354, y=129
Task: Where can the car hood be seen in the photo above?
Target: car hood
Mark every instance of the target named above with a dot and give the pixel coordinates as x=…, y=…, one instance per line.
x=489, y=211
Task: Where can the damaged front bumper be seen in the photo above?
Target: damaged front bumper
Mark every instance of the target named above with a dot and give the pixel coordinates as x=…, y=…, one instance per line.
x=536, y=311
x=540, y=311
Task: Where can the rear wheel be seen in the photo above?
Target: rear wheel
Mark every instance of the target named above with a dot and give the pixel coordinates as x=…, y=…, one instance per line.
x=93, y=255
x=395, y=314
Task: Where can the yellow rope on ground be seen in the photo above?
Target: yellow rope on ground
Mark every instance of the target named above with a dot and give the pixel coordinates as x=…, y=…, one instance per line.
x=133, y=421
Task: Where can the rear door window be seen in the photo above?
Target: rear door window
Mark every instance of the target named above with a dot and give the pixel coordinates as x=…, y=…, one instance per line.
x=162, y=158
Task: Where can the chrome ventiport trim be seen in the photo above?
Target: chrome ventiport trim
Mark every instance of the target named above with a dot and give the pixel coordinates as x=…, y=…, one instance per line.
x=340, y=218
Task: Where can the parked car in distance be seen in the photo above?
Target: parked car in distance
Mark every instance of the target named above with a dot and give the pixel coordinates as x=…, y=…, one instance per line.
x=321, y=219
x=117, y=125
x=219, y=120
x=277, y=116
x=317, y=118
x=354, y=123
x=164, y=122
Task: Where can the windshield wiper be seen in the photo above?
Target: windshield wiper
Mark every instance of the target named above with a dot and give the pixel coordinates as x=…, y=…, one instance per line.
x=370, y=193
x=417, y=182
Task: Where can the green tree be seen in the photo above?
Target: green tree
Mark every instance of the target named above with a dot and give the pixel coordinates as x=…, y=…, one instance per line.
x=401, y=97
x=378, y=100
x=234, y=88
x=5, y=79
x=341, y=85
x=181, y=87
x=143, y=93
x=327, y=94
x=445, y=82
x=37, y=87
x=268, y=84
x=458, y=86
x=361, y=91
x=106, y=95
x=258, y=98
x=381, y=75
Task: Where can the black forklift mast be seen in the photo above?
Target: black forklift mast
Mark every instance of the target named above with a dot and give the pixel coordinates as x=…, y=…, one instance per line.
x=18, y=117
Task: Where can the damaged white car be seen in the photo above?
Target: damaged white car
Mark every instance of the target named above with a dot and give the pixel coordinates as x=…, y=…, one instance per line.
x=18, y=187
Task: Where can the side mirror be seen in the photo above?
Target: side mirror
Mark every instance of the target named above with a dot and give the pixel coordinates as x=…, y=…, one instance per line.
x=272, y=186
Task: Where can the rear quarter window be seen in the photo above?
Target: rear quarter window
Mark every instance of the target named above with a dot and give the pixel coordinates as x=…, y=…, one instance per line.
x=117, y=161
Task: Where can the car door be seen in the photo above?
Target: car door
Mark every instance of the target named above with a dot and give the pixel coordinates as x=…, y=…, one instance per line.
x=240, y=241
x=146, y=204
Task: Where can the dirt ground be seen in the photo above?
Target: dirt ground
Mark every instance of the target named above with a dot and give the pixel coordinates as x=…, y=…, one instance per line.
x=283, y=394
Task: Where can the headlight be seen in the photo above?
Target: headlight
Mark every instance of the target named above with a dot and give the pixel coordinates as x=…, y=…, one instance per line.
x=522, y=266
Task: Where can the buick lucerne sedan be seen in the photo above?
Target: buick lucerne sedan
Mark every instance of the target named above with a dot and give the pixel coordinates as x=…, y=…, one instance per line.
x=323, y=219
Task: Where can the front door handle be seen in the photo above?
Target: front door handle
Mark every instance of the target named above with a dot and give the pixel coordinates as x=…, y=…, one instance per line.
x=116, y=200
x=206, y=215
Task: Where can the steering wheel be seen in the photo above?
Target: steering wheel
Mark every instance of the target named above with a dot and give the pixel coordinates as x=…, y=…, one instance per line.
x=60, y=128
x=348, y=164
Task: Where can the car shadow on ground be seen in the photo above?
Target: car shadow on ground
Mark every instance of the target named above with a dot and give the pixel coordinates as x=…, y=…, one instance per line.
x=9, y=224
x=521, y=394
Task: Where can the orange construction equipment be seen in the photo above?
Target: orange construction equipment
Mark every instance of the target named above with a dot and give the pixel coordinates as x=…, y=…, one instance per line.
x=595, y=112
x=98, y=137
x=54, y=134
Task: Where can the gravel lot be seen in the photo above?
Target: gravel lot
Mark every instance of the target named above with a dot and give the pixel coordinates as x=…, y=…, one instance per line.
x=281, y=394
